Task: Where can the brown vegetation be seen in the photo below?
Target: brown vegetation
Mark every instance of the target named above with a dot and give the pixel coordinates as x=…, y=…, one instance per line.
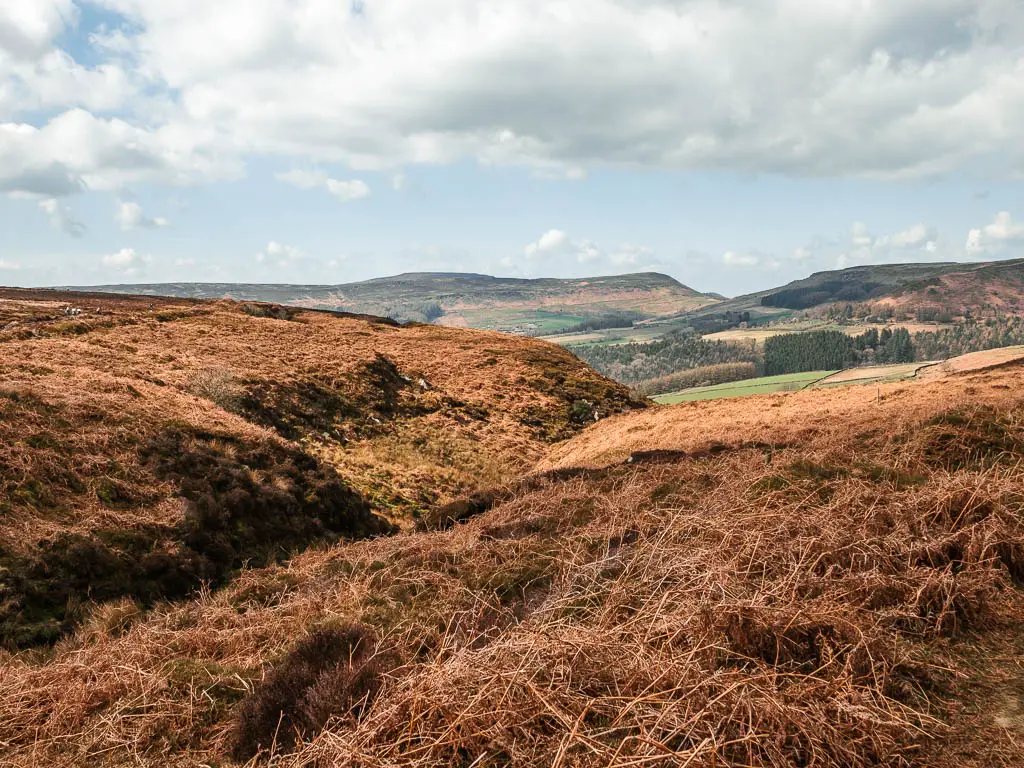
x=826, y=578
x=995, y=290
x=785, y=419
x=162, y=444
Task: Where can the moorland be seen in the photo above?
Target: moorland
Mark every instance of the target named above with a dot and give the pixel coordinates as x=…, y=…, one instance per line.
x=236, y=532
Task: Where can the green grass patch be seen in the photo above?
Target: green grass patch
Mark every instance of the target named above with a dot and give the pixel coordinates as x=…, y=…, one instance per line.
x=766, y=384
x=537, y=321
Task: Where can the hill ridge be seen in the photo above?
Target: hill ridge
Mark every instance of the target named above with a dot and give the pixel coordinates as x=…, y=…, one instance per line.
x=524, y=305
x=884, y=283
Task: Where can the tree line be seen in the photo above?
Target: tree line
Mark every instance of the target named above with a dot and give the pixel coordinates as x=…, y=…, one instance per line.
x=970, y=336
x=664, y=363
x=599, y=323
x=682, y=359
x=704, y=376
x=678, y=351
x=835, y=350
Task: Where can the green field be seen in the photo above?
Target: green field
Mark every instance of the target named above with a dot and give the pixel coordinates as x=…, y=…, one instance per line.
x=789, y=382
x=536, y=321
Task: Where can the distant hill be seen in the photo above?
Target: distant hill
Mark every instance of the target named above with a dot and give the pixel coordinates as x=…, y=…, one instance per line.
x=464, y=300
x=956, y=285
x=976, y=290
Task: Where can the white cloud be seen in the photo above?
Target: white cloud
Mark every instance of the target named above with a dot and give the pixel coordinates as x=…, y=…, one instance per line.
x=918, y=236
x=280, y=255
x=919, y=242
x=9, y=266
x=555, y=253
x=61, y=217
x=549, y=241
x=35, y=75
x=28, y=28
x=347, y=191
x=76, y=151
x=126, y=261
x=629, y=254
x=557, y=171
x=57, y=81
x=937, y=85
x=1003, y=233
x=860, y=235
x=735, y=259
x=129, y=216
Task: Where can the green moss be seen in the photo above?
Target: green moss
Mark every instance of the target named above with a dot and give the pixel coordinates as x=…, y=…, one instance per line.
x=43, y=441
x=900, y=479
x=32, y=493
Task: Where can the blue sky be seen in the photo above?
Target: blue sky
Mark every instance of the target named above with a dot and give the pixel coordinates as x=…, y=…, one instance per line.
x=734, y=148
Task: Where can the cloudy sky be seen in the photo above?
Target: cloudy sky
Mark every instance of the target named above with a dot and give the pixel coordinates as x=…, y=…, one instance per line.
x=734, y=144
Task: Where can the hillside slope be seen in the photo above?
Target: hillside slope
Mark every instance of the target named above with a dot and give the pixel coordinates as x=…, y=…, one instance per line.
x=849, y=285
x=950, y=285
x=468, y=300
x=149, y=445
x=978, y=291
x=827, y=578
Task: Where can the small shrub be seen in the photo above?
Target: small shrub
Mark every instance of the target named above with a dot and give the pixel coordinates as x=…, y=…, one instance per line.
x=971, y=438
x=219, y=386
x=581, y=411
x=272, y=311
x=113, y=619
x=448, y=515
x=334, y=672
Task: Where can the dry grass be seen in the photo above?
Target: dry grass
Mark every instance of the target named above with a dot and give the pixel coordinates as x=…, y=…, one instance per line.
x=830, y=581
x=791, y=418
x=876, y=372
x=155, y=361
x=976, y=361
x=409, y=417
x=836, y=603
x=219, y=386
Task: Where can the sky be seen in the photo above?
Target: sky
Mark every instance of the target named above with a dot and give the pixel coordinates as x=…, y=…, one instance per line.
x=733, y=144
